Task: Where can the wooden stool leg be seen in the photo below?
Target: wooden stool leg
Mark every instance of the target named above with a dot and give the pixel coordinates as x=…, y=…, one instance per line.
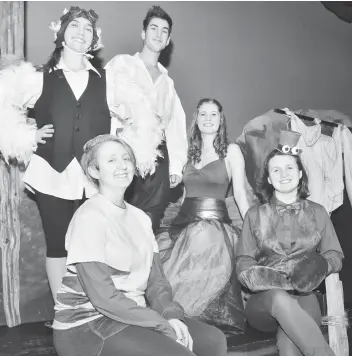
x=336, y=319
x=10, y=241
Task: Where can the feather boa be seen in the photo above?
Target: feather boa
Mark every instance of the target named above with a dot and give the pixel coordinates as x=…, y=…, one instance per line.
x=144, y=130
x=17, y=134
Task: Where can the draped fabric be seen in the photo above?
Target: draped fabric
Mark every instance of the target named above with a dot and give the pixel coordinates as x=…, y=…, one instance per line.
x=259, y=137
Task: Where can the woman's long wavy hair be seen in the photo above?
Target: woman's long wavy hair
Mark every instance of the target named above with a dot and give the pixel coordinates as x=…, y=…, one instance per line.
x=220, y=141
x=265, y=190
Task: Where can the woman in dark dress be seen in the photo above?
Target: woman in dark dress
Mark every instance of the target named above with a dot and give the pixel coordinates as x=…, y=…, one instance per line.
x=198, y=250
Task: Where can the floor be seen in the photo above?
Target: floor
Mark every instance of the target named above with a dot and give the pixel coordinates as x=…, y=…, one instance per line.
x=27, y=339
x=35, y=339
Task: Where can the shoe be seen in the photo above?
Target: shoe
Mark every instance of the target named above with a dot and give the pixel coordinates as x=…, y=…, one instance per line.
x=49, y=324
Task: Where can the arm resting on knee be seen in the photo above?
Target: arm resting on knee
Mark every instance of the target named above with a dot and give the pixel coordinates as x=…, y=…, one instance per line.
x=96, y=281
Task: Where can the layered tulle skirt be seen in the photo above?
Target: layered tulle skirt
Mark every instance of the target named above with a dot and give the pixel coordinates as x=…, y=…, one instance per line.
x=198, y=252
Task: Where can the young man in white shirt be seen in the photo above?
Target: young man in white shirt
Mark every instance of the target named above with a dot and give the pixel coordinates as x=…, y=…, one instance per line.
x=146, y=105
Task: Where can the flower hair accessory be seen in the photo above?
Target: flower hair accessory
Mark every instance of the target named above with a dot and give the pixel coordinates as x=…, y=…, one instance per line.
x=288, y=143
x=55, y=27
x=99, y=44
x=59, y=27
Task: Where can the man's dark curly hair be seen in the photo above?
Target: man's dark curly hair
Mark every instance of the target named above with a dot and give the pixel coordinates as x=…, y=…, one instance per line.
x=220, y=141
x=157, y=12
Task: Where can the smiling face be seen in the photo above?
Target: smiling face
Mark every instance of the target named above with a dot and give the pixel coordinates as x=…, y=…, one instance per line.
x=157, y=35
x=284, y=174
x=114, y=166
x=79, y=35
x=208, y=118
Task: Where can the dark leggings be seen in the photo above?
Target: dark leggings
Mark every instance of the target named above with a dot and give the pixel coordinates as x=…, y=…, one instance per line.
x=56, y=214
x=138, y=341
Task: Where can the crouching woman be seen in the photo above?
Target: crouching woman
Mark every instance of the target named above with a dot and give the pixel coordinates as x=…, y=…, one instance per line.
x=114, y=298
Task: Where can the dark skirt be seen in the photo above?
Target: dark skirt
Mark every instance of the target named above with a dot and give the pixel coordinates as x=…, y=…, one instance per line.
x=198, y=259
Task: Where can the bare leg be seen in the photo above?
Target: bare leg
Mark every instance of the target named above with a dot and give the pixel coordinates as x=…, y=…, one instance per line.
x=285, y=346
x=298, y=319
x=310, y=304
x=298, y=325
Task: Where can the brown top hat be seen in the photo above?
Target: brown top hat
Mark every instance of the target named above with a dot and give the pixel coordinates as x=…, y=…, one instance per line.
x=288, y=142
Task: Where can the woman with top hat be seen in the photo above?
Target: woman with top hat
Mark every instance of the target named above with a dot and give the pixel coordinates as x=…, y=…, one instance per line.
x=67, y=99
x=287, y=248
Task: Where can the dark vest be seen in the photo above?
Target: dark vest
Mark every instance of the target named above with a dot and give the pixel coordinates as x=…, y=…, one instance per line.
x=75, y=121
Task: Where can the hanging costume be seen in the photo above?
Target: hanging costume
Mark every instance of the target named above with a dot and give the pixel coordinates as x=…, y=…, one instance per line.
x=198, y=251
x=322, y=157
x=153, y=122
x=341, y=217
x=257, y=139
